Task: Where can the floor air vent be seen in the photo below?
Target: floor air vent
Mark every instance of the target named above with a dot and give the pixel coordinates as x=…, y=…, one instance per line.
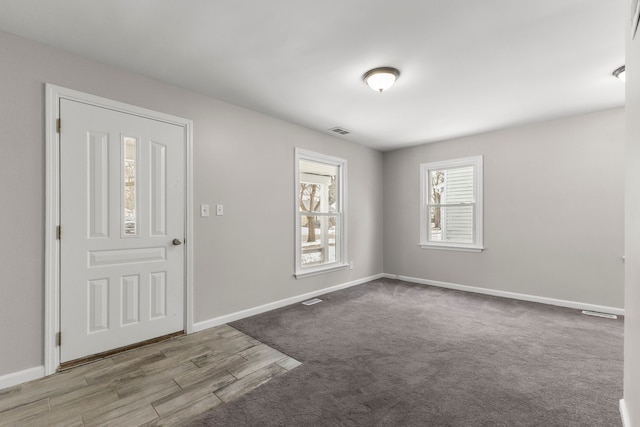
x=312, y=301
x=598, y=314
x=341, y=131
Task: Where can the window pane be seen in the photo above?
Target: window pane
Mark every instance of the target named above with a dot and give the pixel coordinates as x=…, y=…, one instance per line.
x=436, y=184
x=130, y=223
x=453, y=185
x=318, y=187
x=451, y=224
x=319, y=237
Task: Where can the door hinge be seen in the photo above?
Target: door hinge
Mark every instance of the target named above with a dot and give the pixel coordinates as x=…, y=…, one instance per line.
x=59, y=338
x=59, y=125
x=58, y=232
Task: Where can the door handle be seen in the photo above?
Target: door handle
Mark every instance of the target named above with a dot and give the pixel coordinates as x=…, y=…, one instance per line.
x=177, y=242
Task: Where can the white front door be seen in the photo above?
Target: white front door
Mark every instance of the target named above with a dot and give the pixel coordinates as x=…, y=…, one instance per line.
x=122, y=217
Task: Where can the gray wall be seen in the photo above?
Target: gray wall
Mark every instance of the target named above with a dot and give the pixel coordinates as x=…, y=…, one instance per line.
x=241, y=262
x=632, y=236
x=553, y=211
x=242, y=159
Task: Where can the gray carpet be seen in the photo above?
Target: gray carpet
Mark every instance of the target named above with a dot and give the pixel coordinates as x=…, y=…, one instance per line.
x=391, y=353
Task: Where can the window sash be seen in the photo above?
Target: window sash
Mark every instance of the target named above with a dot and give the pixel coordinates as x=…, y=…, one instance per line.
x=328, y=252
x=445, y=205
x=451, y=230
x=314, y=213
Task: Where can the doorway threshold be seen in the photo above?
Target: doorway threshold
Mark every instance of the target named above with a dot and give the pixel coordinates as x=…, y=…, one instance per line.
x=84, y=360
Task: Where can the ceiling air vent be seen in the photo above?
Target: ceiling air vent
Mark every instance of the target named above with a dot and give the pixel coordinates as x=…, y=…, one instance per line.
x=341, y=131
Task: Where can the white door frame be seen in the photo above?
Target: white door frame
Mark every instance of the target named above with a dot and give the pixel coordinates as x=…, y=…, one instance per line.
x=52, y=213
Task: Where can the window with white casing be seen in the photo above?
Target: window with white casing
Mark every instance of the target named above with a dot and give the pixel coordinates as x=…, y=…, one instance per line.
x=451, y=204
x=320, y=183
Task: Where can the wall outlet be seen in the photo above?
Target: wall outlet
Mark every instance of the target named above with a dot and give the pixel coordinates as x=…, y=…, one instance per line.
x=204, y=210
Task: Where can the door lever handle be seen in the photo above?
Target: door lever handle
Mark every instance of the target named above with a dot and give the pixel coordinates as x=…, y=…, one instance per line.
x=177, y=242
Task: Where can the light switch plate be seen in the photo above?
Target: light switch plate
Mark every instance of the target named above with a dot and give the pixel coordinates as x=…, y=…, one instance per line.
x=219, y=210
x=204, y=210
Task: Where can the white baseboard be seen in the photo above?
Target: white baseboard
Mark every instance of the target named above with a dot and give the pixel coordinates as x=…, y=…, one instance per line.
x=512, y=295
x=624, y=415
x=15, y=378
x=30, y=374
x=217, y=321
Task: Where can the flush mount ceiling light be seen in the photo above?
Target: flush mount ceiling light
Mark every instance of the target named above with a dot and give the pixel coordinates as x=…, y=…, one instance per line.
x=381, y=79
x=620, y=73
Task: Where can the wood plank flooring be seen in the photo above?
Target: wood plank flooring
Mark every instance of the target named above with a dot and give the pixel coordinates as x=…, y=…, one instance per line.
x=166, y=383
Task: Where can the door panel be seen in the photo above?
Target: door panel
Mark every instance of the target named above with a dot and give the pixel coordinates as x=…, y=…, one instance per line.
x=122, y=189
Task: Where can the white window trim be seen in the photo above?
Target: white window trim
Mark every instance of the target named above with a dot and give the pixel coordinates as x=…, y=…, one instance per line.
x=340, y=263
x=425, y=243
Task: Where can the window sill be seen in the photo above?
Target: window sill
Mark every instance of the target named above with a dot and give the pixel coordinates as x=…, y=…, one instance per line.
x=319, y=270
x=452, y=247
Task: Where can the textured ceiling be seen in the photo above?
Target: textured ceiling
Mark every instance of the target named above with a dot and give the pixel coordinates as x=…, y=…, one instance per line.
x=466, y=66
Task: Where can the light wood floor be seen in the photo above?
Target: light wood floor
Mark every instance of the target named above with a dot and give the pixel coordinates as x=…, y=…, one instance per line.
x=161, y=384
